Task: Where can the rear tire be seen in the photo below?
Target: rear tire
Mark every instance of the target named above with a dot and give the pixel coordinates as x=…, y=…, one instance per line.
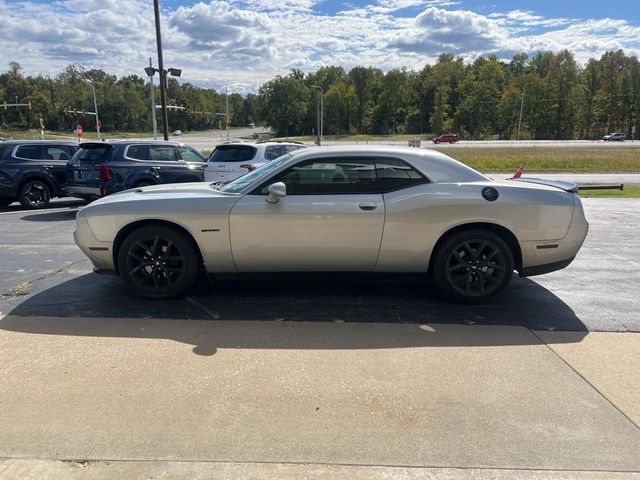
x=34, y=194
x=473, y=266
x=158, y=262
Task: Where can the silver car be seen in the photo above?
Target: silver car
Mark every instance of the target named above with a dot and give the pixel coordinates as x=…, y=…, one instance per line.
x=381, y=209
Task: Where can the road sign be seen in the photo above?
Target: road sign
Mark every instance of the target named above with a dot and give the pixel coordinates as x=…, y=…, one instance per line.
x=79, y=130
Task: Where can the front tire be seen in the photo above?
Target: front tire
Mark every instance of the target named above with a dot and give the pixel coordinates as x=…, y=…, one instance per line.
x=158, y=262
x=473, y=266
x=34, y=194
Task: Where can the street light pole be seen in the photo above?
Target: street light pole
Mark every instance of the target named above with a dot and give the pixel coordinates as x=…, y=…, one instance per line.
x=319, y=113
x=163, y=94
x=154, y=121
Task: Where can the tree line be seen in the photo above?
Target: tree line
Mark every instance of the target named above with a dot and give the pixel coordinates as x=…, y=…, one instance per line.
x=545, y=96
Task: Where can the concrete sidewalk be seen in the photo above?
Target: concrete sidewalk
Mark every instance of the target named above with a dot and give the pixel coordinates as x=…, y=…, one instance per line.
x=315, y=400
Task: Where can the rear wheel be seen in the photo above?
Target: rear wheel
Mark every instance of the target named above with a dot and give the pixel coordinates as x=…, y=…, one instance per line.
x=473, y=266
x=34, y=194
x=158, y=262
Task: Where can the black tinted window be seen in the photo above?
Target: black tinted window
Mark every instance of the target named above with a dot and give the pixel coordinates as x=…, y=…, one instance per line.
x=55, y=152
x=329, y=176
x=162, y=153
x=274, y=151
x=394, y=174
x=30, y=152
x=138, y=152
x=232, y=153
x=92, y=153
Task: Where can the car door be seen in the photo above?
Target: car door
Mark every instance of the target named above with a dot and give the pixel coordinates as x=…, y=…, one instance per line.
x=166, y=165
x=330, y=220
x=195, y=162
x=56, y=158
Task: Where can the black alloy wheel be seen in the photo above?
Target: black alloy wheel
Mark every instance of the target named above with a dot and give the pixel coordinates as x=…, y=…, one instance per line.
x=158, y=262
x=473, y=266
x=34, y=194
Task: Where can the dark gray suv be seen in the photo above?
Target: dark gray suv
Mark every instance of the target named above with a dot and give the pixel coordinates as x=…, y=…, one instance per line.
x=103, y=168
x=33, y=171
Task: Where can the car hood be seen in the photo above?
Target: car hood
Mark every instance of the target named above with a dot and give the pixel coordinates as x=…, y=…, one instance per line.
x=168, y=191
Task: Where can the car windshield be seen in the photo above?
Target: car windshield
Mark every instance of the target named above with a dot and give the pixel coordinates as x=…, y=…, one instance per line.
x=240, y=183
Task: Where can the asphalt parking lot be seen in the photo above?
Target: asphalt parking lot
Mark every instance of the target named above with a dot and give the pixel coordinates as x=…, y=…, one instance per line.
x=42, y=272
x=317, y=376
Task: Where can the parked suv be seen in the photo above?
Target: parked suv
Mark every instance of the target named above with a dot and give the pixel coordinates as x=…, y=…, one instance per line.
x=615, y=137
x=33, y=172
x=102, y=168
x=233, y=159
x=446, y=138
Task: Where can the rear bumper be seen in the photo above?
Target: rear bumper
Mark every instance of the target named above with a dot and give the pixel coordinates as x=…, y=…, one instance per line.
x=546, y=268
x=83, y=192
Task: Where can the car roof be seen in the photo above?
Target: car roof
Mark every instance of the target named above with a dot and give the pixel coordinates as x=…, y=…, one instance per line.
x=436, y=165
x=40, y=142
x=131, y=142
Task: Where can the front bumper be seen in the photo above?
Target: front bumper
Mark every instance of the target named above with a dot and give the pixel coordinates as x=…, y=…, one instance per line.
x=100, y=253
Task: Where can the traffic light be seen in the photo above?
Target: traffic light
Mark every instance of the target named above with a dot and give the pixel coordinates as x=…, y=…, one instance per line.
x=188, y=111
x=5, y=104
x=65, y=112
x=29, y=104
x=41, y=123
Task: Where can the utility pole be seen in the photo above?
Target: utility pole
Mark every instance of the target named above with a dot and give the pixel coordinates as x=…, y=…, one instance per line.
x=154, y=121
x=95, y=108
x=163, y=94
x=521, y=107
x=226, y=97
x=319, y=113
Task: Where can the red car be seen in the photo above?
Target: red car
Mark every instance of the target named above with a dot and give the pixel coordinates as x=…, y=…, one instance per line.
x=446, y=138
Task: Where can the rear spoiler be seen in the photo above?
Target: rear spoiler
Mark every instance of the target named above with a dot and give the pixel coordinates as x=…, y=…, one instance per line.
x=566, y=186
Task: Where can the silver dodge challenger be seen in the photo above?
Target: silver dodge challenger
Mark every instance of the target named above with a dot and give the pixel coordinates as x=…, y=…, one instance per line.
x=339, y=209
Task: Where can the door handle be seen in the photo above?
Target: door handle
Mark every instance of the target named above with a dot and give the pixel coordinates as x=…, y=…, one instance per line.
x=367, y=206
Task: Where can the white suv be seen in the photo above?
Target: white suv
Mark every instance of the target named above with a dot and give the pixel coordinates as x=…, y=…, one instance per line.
x=234, y=159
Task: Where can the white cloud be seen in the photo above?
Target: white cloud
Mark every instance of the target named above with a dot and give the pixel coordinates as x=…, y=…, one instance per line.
x=246, y=42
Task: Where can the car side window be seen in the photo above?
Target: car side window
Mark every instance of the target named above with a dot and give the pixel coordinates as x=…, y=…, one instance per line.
x=274, y=151
x=328, y=176
x=394, y=174
x=29, y=152
x=138, y=152
x=188, y=154
x=162, y=153
x=55, y=153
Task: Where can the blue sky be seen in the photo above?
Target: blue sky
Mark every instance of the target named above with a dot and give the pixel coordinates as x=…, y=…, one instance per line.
x=243, y=43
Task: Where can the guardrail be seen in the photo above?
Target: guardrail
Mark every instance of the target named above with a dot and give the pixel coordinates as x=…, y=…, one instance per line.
x=603, y=186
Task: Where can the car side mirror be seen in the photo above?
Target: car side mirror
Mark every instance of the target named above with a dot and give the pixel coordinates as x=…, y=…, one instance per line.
x=276, y=190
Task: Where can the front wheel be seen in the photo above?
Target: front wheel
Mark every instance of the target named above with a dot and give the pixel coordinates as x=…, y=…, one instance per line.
x=34, y=194
x=473, y=266
x=158, y=262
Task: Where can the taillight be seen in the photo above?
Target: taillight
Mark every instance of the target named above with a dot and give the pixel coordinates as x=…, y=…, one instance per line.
x=105, y=173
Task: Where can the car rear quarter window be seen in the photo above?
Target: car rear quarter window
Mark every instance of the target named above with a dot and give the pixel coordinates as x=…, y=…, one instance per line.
x=394, y=174
x=162, y=153
x=274, y=151
x=29, y=152
x=233, y=153
x=56, y=152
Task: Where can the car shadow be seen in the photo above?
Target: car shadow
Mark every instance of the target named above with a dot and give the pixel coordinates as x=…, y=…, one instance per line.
x=229, y=311
x=52, y=216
